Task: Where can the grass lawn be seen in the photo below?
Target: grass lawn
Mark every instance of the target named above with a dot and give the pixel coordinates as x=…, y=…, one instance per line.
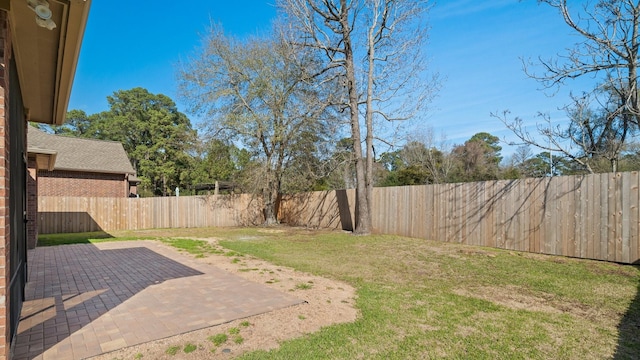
x=422, y=299
x=88, y=238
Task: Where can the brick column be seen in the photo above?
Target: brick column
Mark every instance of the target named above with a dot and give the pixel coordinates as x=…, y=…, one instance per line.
x=5, y=50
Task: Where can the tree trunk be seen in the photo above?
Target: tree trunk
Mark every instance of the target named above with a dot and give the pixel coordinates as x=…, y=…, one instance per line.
x=270, y=210
x=369, y=117
x=164, y=185
x=363, y=215
x=270, y=197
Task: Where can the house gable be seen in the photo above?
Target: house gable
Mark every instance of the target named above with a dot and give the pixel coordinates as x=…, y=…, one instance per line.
x=83, y=167
x=80, y=154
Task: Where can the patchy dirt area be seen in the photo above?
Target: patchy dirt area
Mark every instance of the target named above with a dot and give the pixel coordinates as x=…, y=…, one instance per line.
x=519, y=298
x=328, y=302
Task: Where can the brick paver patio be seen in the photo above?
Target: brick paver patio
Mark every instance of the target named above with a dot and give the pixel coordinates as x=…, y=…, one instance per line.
x=84, y=300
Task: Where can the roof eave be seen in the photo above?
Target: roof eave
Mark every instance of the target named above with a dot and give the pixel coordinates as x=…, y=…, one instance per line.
x=47, y=59
x=45, y=158
x=99, y=171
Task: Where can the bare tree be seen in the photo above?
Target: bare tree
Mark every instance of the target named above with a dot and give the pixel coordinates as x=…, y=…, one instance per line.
x=594, y=132
x=608, y=51
x=520, y=156
x=261, y=92
x=375, y=49
x=603, y=119
x=423, y=150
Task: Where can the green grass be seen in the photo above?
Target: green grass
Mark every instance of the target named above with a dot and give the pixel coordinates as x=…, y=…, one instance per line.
x=424, y=299
x=218, y=339
x=189, y=348
x=199, y=248
x=86, y=238
x=303, y=286
x=79, y=238
x=172, y=350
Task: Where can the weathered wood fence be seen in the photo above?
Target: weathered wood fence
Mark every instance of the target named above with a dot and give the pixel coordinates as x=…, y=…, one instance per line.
x=592, y=216
x=80, y=214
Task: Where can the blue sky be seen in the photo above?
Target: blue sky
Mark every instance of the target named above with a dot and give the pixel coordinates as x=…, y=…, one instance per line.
x=475, y=46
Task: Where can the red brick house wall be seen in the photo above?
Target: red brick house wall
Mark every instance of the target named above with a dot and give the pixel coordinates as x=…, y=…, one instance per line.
x=83, y=184
x=32, y=204
x=48, y=64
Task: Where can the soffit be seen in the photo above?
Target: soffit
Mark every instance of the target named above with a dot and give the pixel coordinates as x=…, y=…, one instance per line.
x=45, y=158
x=47, y=59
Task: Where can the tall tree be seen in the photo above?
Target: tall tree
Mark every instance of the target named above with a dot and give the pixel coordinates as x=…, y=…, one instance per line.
x=215, y=160
x=523, y=163
x=77, y=123
x=375, y=49
x=155, y=135
x=260, y=91
x=609, y=33
x=607, y=51
x=340, y=169
x=596, y=134
x=543, y=164
x=479, y=158
x=433, y=156
x=419, y=162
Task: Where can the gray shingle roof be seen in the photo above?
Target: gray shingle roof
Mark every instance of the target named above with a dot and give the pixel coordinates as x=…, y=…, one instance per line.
x=80, y=154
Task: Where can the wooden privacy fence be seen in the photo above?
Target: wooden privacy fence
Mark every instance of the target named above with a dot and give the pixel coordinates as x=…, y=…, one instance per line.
x=80, y=214
x=591, y=216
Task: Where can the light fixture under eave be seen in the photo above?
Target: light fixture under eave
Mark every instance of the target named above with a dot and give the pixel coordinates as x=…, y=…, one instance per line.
x=43, y=13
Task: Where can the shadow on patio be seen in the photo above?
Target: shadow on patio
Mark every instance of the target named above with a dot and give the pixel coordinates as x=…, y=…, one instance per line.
x=71, y=286
x=83, y=300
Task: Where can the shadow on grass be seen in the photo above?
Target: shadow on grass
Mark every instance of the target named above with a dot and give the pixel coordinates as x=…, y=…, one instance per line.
x=72, y=238
x=629, y=329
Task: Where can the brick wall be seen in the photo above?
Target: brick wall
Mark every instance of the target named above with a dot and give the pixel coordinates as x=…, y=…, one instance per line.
x=32, y=205
x=5, y=46
x=72, y=183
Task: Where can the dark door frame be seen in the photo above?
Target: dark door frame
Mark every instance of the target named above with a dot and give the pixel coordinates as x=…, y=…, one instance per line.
x=17, y=200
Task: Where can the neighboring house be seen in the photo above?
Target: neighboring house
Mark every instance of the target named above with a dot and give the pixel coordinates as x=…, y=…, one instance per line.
x=38, y=59
x=83, y=167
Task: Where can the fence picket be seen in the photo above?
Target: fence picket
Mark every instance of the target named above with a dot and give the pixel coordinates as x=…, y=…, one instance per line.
x=592, y=216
